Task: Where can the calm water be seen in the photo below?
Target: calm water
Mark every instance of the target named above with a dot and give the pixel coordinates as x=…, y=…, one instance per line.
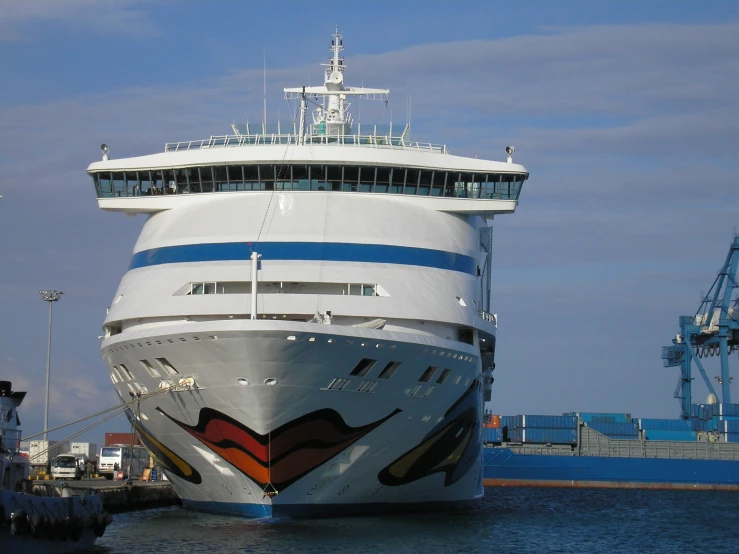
x=511, y=520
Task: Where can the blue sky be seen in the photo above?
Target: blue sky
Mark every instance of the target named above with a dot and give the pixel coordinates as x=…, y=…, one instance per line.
x=626, y=115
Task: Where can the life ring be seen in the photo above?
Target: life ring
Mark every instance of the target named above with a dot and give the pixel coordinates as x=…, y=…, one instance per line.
x=18, y=522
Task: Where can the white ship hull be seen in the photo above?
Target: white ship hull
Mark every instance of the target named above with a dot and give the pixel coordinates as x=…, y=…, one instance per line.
x=296, y=448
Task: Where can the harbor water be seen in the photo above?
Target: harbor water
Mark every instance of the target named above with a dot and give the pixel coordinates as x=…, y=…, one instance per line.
x=510, y=520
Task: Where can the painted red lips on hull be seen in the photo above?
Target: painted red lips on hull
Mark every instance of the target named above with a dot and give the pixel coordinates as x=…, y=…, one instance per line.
x=284, y=455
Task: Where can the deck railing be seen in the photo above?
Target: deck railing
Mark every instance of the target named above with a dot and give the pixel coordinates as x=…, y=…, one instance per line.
x=370, y=141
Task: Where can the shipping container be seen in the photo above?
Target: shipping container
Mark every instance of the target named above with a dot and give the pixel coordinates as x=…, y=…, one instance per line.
x=670, y=435
x=597, y=417
x=728, y=426
x=726, y=409
x=121, y=438
x=665, y=424
x=89, y=449
x=40, y=452
x=540, y=422
x=491, y=421
x=508, y=422
x=493, y=434
x=615, y=430
x=537, y=435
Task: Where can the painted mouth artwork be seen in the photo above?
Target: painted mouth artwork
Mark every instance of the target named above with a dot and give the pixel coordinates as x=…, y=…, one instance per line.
x=452, y=446
x=168, y=459
x=284, y=455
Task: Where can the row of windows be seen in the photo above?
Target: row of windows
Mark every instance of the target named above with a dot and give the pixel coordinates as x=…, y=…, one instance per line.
x=422, y=182
x=122, y=373
x=365, y=364
x=244, y=287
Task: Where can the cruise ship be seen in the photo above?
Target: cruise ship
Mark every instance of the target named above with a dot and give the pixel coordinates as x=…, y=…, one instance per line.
x=305, y=323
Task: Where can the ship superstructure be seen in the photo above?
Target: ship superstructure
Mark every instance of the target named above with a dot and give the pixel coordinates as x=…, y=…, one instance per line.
x=317, y=304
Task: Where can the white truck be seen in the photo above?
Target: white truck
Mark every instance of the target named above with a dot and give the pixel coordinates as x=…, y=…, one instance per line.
x=68, y=466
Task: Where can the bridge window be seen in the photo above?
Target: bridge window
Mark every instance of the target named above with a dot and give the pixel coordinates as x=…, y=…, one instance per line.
x=309, y=177
x=382, y=179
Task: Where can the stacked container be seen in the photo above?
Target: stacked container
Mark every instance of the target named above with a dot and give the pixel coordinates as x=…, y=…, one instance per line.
x=598, y=417
x=540, y=429
x=729, y=430
x=667, y=429
x=616, y=430
x=492, y=429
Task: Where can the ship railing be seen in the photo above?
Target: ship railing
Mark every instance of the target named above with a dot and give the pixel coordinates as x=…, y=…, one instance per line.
x=488, y=316
x=371, y=141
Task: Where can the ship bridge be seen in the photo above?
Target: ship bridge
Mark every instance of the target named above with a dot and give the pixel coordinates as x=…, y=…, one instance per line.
x=330, y=154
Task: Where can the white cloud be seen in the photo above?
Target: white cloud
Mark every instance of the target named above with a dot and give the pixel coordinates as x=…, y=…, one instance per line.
x=101, y=16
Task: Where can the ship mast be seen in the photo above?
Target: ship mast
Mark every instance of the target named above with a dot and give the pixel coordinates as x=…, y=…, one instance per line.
x=333, y=117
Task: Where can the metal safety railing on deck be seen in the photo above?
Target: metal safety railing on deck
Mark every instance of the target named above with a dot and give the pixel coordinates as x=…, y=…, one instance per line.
x=372, y=141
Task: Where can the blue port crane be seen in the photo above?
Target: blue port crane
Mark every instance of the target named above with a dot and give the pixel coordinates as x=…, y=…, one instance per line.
x=713, y=330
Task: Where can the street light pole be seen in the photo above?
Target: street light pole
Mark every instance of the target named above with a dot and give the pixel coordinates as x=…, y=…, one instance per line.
x=49, y=296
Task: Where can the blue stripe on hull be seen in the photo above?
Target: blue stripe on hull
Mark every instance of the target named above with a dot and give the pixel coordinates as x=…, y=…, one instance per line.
x=306, y=251
x=307, y=511
x=502, y=463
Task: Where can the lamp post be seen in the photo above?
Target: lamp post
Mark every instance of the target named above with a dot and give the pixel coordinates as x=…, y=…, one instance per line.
x=49, y=296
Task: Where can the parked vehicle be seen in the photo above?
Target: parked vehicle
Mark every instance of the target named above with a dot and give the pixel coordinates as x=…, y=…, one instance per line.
x=68, y=466
x=123, y=455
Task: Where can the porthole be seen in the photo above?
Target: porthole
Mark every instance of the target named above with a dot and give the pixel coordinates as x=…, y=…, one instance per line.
x=271, y=381
x=242, y=381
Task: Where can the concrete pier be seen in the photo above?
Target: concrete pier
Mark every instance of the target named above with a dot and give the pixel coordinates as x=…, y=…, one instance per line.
x=117, y=495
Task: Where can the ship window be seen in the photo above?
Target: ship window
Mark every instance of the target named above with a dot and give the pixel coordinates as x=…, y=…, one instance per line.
x=333, y=177
x=132, y=183
x=344, y=384
x=428, y=374
x=443, y=376
x=389, y=370
x=126, y=372
x=168, y=367
x=284, y=178
x=149, y=368
x=114, y=379
x=206, y=179
x=366, y=179
x=411, y=181
x=351, y=179
x=251, y=177
x=424, y=184
x=428, y=392
x=220, y=178
x=372, y=387
x=119, y=184
x=267, y=177
x=382, y=179
x=414, y=390
x=363, y=367
x=106, y=184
